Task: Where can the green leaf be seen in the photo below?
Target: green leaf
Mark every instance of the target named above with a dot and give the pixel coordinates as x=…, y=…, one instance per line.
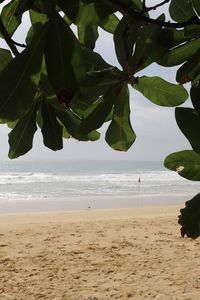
x=51, y=128
x=110, y=23
x=88, y=35
x=5, y=58
x=33, y=30
x=21, y=137
x=97, y=83
x=188, y=121
x=195, y=95
x=70, y=8
x=20, y=79
x=60, y=102
x=99, y=112
x=63, y=57
x=85, y=14
x=192, y=31
x=36, y=17
x=186, y=163
x=44, y=7
x=120, y=135
x=10, y=21
x=172, y=37
x=196, y=5
x=189, y=70
x=22, y=6
x=147, y=37
x=72, y=124
x=93, y=61
x=181, y=11
x=161, y=92
x=190, y=218
x=108, y=76
x=120, y=39
x=11, y=124
x=179, y=54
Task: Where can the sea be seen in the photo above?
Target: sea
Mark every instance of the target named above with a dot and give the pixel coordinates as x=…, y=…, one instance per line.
x=28, y=186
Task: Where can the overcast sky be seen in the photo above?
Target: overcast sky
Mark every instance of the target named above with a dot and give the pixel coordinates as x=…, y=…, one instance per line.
x=155, y=127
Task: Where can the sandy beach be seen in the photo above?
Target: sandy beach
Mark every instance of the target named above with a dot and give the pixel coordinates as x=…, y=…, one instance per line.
x=132, y=253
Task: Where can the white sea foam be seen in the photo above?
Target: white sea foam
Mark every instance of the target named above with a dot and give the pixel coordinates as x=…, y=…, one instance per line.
x=60, y=181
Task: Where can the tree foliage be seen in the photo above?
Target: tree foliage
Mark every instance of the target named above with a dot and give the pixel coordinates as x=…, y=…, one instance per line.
x=58, y=83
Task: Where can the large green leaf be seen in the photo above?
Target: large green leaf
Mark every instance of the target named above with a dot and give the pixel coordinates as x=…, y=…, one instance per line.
x=186, y=163
x=188, y=121
x=108, y=76
x=33, y=30
x=72, y=124
x=161, y=92
x=147, y=37
x=189, y=70
x=179, y=54
x=63, y=55
x=190, y=218
x=93, y=60
x=38, y=6
x=99, y=112
x=181, y=11
x=195, y=95
x=120, y=40
x=5, y=58
x=20, y=78
x=96, y=83
x=88, y=35
x=22, y=6
x=59, y=103
x=21, y=137
x=36, y=17
x=51, y=128
x=110, y=23
x=85, y=14
x=10, y=21
x=120, y=135
x=192, y=31
x=172, y=37
x=44, y=7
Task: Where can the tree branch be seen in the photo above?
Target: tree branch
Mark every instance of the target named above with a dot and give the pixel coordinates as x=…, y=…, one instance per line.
x=19, y=44
x=155, y=6
x=130, y=11
x=8, y=39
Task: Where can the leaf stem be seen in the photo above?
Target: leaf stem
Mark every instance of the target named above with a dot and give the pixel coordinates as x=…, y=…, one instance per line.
x=8, y=39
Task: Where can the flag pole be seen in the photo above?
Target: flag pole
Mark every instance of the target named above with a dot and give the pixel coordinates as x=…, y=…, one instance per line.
x=139, y=183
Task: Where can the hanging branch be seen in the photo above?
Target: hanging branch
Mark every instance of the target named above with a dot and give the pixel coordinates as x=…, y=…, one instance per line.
x=8, y=39
x=19, y=44
x=130, y=11
x=146, y=9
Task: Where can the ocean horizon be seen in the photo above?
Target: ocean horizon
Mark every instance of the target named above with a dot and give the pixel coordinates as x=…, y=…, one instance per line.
x=61, y=185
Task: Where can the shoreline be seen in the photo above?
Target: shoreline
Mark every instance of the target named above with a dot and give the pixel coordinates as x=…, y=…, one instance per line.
x=143, y=211
x=95, y=203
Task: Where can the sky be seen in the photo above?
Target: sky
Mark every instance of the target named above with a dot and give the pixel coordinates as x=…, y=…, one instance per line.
x=155, y=126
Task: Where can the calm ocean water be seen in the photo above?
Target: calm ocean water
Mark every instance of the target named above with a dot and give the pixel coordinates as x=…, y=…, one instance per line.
x=71, y=180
